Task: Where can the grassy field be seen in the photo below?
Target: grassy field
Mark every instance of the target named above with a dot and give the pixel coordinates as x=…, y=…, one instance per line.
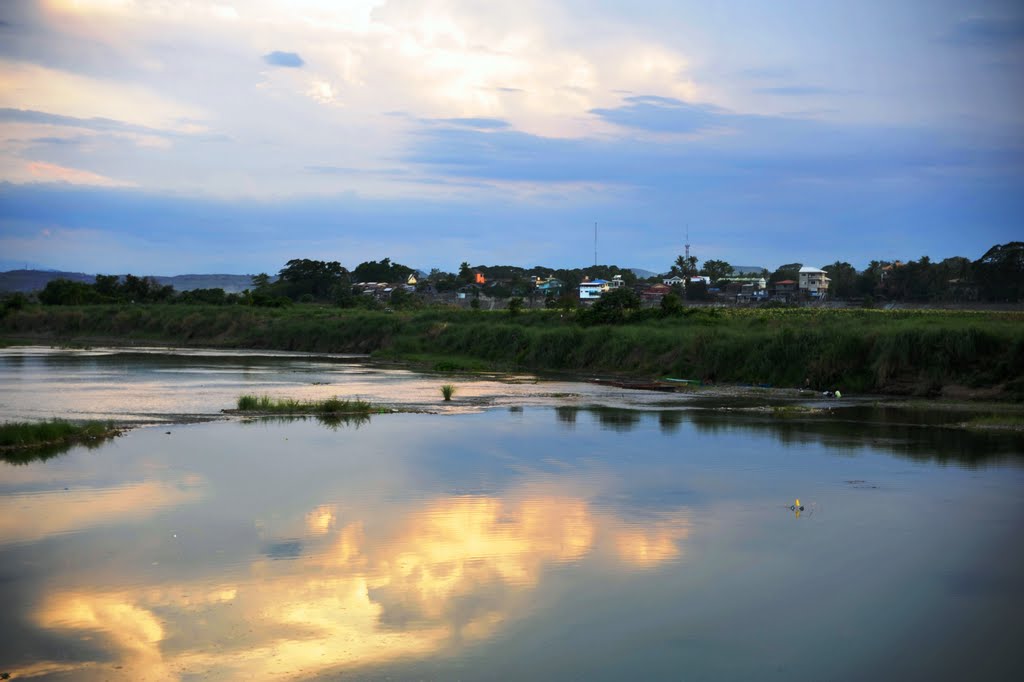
x=968, y=354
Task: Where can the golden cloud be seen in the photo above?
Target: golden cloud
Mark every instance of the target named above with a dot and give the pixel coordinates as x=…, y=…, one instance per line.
x=446, y=574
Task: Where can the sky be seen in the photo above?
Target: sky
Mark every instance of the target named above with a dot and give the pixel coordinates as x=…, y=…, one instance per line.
x=171, y=137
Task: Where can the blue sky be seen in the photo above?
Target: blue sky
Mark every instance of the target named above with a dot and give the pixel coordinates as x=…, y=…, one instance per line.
x=167, y=138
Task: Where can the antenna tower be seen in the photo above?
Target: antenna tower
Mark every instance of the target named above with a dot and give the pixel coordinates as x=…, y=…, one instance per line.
x=595, y=245
x=687, y=243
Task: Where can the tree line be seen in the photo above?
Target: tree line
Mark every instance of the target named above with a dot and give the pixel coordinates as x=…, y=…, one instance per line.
x=998, y=276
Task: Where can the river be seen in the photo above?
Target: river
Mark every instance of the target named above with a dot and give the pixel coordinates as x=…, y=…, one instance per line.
x=530, y=529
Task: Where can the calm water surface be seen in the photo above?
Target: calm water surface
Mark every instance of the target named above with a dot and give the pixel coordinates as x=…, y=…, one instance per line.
x=544, y=538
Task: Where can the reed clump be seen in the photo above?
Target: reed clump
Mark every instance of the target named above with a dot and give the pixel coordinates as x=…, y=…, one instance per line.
x=447, y=391
x=334, y=405
x=17, y=435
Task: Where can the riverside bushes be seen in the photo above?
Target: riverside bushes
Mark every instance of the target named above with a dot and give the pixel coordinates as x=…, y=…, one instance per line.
x=855, y=349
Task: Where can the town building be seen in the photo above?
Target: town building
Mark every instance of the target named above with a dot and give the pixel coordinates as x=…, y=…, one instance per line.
x=813, y=282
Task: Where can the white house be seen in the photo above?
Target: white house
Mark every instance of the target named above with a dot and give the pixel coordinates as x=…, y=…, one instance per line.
x=673, y=280
x=814, y=281
x=592, y=290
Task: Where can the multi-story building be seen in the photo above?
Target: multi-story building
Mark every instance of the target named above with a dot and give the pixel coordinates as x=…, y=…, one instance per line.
x=813, y=282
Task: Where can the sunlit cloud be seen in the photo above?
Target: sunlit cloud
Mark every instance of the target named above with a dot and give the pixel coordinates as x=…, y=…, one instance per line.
x=32, y=516
x=40, y=171
x=38, y=88
x=613, y=112
x=450, y=573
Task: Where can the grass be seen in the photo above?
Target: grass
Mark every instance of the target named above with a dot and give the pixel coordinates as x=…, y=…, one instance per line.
x=787, y=411
x=448, y=390
x=898, y=352
x=28, y=434
x=335, y=405
x=22, y=442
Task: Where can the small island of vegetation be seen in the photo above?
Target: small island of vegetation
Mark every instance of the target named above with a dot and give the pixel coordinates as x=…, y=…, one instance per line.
x=22, y=442
x=265, y=404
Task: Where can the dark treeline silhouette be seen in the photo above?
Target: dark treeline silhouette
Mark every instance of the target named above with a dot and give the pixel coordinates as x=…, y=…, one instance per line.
x=998, y=276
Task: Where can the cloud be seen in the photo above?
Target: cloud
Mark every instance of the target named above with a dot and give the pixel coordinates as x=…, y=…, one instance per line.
x=798, y=91
x=40, y=171
x=665, y=115
x=986, y=32
x=476, y=123
x=766, y=73
x=97, y=123
x=290, y=60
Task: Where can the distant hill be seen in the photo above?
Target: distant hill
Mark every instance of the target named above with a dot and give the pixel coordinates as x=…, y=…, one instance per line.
x=35, y=280
x=641, y=273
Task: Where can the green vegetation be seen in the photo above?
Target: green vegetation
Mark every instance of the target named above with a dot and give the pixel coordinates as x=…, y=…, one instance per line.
x=788, y=411
x=855, y=350
x=22, y=442
x=448, y=390
x=330, y=406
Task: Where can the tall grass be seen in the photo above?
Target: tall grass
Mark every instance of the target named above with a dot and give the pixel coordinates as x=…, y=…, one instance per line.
x=858, y=350
x=335, y=405
x=22, y=442
x=447, y=391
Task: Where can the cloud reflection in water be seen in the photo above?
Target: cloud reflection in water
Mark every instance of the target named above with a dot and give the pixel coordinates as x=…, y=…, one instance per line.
x=442, y=576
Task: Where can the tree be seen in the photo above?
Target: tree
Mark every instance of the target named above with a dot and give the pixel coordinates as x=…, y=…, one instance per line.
x=108, y=286
x=214, y=296
x=613, y=307
x=671, y=304
x=400, y=298
x=384, y=271
x=304, y=276
x=343, y=296
x=697, y=291
x=515, y=305
x=716, y=269
x=843, y=278
x=870, y=281
x=67, y=292
x=787, y=271
x=1000, y=272
x=685, y=267
x=261, y=281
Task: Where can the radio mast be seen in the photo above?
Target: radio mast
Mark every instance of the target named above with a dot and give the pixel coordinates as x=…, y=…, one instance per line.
x=595, y=245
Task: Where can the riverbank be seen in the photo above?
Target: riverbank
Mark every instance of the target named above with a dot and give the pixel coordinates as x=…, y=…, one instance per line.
x=961, y=355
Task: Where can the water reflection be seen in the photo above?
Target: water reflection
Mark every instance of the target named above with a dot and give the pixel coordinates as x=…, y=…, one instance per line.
x=921, y=435
x=41, y=453
x=27, y=517
x=331, y=421
x=566, y=415
x=918, y=441
x=352, y=592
